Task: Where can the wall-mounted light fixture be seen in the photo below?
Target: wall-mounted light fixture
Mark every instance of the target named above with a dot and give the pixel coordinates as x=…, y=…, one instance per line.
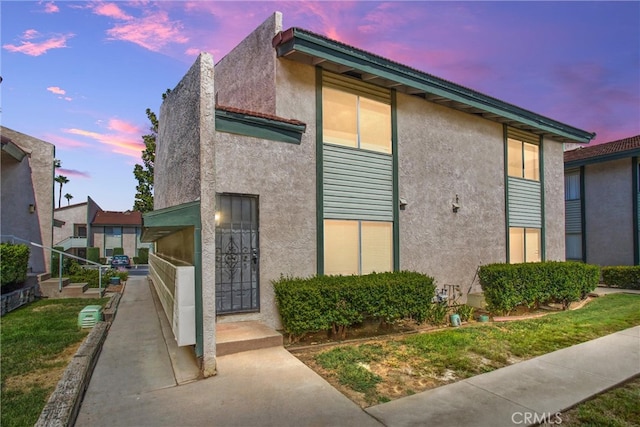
x=456, y=205
x=32, y=208
x=403, y=204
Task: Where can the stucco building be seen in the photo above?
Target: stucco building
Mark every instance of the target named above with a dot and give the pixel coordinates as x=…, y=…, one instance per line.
x=27, y=194
x=299, y=155
x=601, y=199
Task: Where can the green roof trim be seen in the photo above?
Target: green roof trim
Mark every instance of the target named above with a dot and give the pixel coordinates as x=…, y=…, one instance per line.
x=259, y=127
x=302, y=41
x=162, y=222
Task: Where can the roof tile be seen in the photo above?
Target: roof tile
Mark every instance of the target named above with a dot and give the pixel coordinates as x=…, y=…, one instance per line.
x=607, y=148
x=117, y=218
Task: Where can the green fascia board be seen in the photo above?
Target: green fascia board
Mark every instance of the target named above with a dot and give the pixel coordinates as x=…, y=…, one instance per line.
x=604, y=158
x=13, y=150
x=184, y=215
x=315, y=45
x=259, y=127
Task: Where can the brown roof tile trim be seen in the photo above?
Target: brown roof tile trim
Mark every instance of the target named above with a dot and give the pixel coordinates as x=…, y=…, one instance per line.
x=613, y=147
x=256, y=114
x=117, y=218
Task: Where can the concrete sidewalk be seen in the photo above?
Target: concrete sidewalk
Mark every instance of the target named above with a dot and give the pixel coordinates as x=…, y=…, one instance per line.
x=134, y=384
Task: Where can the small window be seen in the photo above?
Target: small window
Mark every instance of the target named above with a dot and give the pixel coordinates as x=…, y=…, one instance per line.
x=524, y=245
x=523, y=159
x=573, y=245
x=572, y=186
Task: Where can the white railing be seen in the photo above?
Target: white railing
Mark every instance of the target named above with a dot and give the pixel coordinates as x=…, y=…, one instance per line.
x=174, y=282
x=13, y=239
x=73, y=242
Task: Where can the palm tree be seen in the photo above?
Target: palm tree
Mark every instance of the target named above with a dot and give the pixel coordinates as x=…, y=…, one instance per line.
x=60, y=179
x=68, y=197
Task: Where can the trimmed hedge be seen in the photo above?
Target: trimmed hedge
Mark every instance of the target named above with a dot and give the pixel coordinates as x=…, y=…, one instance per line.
x=143, y=256
x=15, y=262
x=337, y=302
x=118, y=251
x=506, y=286
x=93, y=254
x=55, y=261
x=627, y=277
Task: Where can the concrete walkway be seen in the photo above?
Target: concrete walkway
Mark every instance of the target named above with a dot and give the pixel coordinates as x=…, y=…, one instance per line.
x=135, y=383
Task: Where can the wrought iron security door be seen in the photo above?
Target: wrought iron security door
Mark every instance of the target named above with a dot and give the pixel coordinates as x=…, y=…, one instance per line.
x=237, y=260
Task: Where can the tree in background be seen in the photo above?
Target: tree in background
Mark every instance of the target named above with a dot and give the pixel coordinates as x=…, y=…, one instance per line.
x=68, y=197
x=60, y=179
x=144, y=173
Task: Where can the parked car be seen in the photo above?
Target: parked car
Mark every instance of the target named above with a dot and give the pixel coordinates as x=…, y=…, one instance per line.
x=120, y=261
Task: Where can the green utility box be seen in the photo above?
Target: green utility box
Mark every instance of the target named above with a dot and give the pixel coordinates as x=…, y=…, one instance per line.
x=89, y=316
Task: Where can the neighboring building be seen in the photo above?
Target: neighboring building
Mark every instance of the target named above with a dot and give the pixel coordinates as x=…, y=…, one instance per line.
x=27, y=194
x=601, y=203
x=86, y=225
x=299, y=155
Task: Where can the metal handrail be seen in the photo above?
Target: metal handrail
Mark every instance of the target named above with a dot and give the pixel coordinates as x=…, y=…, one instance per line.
x=63, y=254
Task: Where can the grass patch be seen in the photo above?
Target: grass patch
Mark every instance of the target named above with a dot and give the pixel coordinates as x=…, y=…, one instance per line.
x=38, y=340
x=391, y=368
x=616, y=408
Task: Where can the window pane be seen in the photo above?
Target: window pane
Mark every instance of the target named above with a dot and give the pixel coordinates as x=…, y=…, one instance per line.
x=514, y=154
x=377, y=247
x=572, y=186
x=375, y=125
x=573, y=243
x=531, y=162
x=532, y=250
x=341, y=247
x=339, y=120
x=516, y=245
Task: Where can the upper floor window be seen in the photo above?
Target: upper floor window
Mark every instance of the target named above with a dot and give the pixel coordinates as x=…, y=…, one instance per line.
x=572, y=186
x=355, y=121
x=113, y=231
x=524, y=159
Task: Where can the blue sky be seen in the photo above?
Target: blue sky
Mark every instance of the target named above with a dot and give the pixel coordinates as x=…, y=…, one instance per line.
x=81, y=74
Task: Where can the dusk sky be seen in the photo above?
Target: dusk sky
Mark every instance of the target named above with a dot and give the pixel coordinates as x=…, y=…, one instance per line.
x=80, y=75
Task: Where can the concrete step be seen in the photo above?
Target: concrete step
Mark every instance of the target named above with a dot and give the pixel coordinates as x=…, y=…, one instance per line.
x=236, y=337
x=75, y=290
x=50, y=288
x=93, y=293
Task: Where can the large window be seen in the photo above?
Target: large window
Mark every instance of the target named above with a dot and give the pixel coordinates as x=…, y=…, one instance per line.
x=524, y=245
x=357, y=247
x=524, y=159
x=355, y=121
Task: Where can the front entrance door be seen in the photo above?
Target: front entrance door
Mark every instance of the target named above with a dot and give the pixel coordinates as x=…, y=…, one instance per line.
x=237, y=259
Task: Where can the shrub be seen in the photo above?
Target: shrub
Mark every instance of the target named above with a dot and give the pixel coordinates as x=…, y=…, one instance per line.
x=93, y=254
x=465, y=312
x=136, y=260
x=118, y=251
x=102, y=261
x=143, y=255
x=123, y=275
x=15, y=262
x=337, y=302
x=55, y=260
x=506, y=286
x=627, y=277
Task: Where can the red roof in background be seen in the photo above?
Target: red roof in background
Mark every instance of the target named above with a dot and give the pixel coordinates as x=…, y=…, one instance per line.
x=117, y=218
x=613, y=147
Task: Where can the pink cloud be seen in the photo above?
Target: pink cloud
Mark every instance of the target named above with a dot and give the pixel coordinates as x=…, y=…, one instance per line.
x=38, y=48
x=123, y=138
x=56, y=90
x=63, y=142
x=51, y=7
x=73, y=173
x=111, y=10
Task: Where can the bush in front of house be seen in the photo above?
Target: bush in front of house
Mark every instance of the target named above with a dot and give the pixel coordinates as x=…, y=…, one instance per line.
x=338, y=302
x=93, y=254
x=506, y=286
x=55, y=261
x=118, y=251
x=627, y=277
x=143, y=256
x=15, y=262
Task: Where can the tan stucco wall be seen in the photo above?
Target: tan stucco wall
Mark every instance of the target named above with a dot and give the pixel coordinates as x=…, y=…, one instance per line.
x=245, y=77
x=609, y=213
x=554, y=200
x=443, y=152
x=29, y=182
x=71, y=215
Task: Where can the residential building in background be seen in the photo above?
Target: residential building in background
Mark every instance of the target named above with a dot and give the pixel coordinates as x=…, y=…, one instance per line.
x=299, y=155
x=27, y=194
x=601, y=203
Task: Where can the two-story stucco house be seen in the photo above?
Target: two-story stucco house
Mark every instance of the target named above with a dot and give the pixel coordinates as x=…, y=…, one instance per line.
x=27, y=194
x=299, y=155
x=601, y=199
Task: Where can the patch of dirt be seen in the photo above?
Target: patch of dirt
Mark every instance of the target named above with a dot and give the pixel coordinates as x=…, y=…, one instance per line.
x=115, y=288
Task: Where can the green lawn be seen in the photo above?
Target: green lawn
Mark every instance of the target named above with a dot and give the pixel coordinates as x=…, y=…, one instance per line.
x=38, y=341
x=387, y=369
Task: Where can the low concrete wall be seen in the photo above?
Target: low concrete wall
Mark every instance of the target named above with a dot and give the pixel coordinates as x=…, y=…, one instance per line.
x=18, y=298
